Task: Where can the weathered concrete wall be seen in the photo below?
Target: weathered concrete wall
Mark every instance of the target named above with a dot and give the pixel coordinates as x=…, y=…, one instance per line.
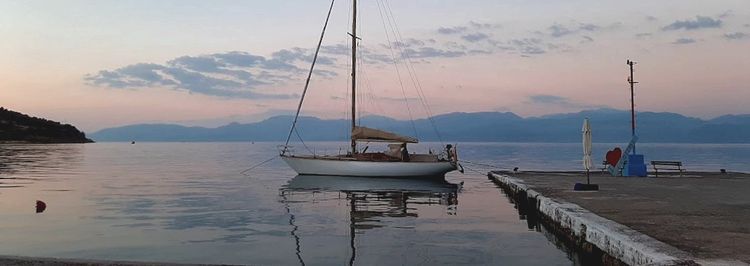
x=618, y=241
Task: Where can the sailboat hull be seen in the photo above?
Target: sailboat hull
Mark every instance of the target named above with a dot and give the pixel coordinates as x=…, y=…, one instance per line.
x=334, y=167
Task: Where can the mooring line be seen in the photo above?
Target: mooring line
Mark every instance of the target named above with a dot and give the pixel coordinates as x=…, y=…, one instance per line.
x=258, y=165
x=475, y=171
x=482, y=164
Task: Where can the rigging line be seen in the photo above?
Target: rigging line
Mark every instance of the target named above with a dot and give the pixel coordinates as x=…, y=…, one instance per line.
x=347, y=85
x=398, y=73
x=309, y=75
x=369, y=91
x=303, y=142
x=413, y=74
x=372, y=97
x=399, y=43
x=365, y=94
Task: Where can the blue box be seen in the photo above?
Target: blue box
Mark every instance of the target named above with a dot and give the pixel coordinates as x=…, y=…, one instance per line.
x=636, y=166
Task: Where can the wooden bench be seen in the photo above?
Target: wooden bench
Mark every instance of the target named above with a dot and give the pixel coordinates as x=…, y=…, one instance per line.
x=676, y=165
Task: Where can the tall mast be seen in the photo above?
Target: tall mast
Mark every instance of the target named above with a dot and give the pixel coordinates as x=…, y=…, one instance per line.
x=354, y=72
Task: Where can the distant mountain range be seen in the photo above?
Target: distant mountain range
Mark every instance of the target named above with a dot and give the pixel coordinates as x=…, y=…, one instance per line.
x=608, y=125
x=18, y=127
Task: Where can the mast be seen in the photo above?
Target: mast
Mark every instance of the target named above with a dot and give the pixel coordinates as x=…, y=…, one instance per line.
x=354, y=72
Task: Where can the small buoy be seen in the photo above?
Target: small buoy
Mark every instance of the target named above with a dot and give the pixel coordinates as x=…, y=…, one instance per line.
x=40, y=206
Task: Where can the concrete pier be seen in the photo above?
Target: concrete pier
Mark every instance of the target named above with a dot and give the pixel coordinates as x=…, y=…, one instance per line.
x=701, y=218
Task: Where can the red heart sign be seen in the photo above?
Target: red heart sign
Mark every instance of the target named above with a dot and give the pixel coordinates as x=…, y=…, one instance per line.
x=613, y=156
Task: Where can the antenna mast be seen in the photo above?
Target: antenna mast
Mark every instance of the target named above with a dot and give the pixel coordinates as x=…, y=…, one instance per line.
x=632, y=82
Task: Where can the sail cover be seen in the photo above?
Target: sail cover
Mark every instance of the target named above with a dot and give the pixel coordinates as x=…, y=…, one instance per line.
x=370, y=134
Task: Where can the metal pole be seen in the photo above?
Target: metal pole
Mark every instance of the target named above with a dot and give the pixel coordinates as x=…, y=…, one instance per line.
x=632, y=82
x=354, y=73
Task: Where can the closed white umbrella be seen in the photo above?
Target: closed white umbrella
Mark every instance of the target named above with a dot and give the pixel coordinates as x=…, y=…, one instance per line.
x=587, y=163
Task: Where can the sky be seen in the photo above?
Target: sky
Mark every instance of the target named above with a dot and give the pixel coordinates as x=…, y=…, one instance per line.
x=99, y=64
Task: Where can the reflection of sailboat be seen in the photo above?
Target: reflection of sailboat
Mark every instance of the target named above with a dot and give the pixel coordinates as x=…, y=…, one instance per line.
x=371, y=199
x=421, y=187
x=395, y=162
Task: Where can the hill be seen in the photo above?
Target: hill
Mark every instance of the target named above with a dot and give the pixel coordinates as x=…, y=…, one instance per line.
x=18, y=127
x=608, y=125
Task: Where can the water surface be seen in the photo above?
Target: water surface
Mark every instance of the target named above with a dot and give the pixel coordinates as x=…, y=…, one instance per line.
x=188, y=202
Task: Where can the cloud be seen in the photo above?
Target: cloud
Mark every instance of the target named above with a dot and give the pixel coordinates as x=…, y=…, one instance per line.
x=554, y=100
x=200, y=63
x=475, y=37
x=466, y=28
x=700, y=22
x=137, y=75
x=431, y=52
x=418, y=49
x=558, y=30
x=548, y=99
x=237, y=74
x=726, y=14
x=198, y=83
x=243, y=74
x=736, y=35
x=452, y=30
x=239, y=59
x=588, y=27
x=411, y=42
x=480, y=25
x=684, y=41
x=232, y=74
x=643, y=35
x=479, y=38
x=366, y=54
x=527, y=46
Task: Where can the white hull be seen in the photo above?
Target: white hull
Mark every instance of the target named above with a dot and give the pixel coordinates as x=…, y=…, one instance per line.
x=334, y=167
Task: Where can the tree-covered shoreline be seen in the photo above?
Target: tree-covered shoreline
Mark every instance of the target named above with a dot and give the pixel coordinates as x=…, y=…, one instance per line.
x=16, y=127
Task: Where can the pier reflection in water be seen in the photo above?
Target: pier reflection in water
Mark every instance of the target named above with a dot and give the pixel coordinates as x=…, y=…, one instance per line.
x=370, y=200
x=527, y=208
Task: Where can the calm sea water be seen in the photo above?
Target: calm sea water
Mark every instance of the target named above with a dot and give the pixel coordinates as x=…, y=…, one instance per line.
x=189, y=202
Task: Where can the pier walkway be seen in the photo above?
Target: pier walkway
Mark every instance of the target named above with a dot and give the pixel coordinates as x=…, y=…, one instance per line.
x=704, y=214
